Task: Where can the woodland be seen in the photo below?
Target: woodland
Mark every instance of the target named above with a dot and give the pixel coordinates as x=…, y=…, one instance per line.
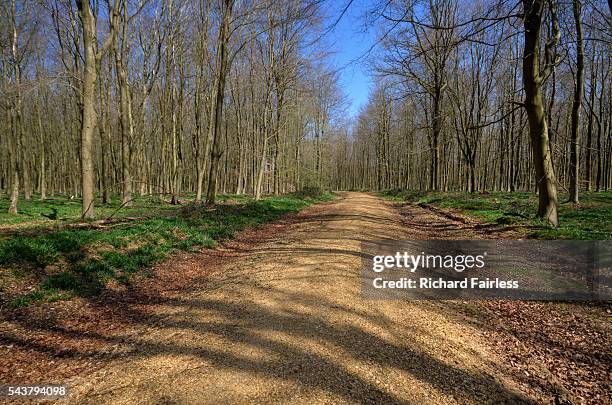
x=187, y=99
x=185, y=193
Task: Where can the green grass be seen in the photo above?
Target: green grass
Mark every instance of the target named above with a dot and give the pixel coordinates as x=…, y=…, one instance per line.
x=32, y=212
x=591, y=219
x=83, y=260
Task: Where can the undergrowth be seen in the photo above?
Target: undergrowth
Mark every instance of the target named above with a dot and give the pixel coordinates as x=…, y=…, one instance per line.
x=80, y=262
x=591, y=219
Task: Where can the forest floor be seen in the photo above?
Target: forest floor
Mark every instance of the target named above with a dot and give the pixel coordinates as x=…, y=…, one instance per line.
x=50, y=259
x=591, y=219
x=276, y=315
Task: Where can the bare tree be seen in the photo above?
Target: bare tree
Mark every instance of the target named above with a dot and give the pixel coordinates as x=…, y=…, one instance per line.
x=92, y=56
x=216, y=111
x=576, y=105
x=533, y=77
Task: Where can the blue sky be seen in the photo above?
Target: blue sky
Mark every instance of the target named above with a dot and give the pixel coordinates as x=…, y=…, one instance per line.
x=350, y=41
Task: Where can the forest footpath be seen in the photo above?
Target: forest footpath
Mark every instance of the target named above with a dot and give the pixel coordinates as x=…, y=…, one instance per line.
x=277, y=316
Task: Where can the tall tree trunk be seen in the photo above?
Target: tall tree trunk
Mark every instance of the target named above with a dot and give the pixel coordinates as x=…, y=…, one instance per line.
x=17, y=129
x=197, y=143
x=25, y=173
x=320, y=157
x=199, y=179
x=104, y=129
x=538, y=128
x=15, y=167
x=589, y=152
x=93, y=55
x=127, y=129
x=576, y=106
x=88, y=113
x=276, y=165
x=14, y=191
x=262, y=168
x=598, y=174
x=217, y=106
x=43, y=168
x=434, y=180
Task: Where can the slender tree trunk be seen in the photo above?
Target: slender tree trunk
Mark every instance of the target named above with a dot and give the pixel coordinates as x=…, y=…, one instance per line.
x=217, y=106
x=197, y=143
x=318, y=140
x=436, y=128
x=276, y=165
x=88, y=114
x=598, y=174
x=262, y=168
x=43, y=168
x=472, y=174
x=17, y=129
x=589, y=152
x=576, y=107
x=104, y=127
x=15, y=167
x=127, y=131
x=14, y=192
x=199, y=180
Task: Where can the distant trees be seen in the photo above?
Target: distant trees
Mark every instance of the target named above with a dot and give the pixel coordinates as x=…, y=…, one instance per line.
x=325, y=102
x=19, y=33
x=420, y=56
x=489, y=97
x=173, y=97
x=162, y=98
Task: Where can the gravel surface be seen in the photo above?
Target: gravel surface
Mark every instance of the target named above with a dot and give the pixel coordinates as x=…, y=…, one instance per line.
x=282, y=320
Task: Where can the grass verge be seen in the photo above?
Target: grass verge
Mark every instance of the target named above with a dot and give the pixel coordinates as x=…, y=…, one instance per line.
x=60, y=264
x=591, y=219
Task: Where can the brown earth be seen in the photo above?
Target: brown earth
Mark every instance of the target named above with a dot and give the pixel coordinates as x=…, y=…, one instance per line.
x=277, y=316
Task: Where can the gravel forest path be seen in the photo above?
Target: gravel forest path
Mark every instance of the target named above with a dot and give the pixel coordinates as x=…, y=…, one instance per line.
x=282, y=320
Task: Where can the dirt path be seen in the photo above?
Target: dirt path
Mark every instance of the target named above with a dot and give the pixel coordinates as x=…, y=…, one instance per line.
x=283, y=321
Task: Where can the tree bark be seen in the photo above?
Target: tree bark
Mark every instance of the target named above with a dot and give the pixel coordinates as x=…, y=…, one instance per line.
x=43, y=167
x=538, y=128
x=88, y=113
x=219, y=93
x=17, y=129
x=15, y=167
x=126, y=123
x=262, y=168
x=576, y=106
